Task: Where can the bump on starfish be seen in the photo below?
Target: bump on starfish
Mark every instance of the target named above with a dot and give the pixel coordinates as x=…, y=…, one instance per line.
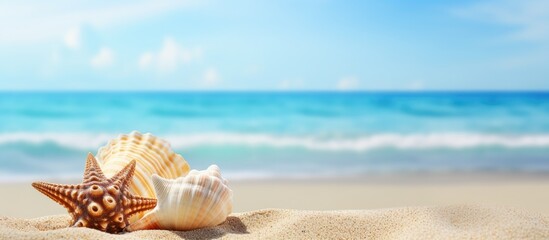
x=99, y=202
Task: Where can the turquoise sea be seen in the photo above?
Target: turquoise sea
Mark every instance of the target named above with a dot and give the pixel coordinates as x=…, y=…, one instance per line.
x=282, y=135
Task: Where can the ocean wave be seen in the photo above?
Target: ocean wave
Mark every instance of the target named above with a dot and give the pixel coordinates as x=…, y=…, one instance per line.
x=7, y=177
x=76, y=176
x=358, y=144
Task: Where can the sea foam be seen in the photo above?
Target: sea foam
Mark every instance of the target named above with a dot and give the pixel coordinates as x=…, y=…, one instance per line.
x=316, y=143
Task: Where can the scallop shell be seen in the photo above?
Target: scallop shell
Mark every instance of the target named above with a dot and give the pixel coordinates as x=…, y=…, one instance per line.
x=153, y=156
x=200, y=199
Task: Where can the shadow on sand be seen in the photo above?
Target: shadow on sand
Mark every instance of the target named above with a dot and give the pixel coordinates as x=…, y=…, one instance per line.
x=232, y=225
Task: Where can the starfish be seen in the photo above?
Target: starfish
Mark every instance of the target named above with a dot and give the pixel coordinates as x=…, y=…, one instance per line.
x=99, y=202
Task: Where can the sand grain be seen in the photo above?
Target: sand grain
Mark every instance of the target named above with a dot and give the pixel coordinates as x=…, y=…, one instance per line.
x=449, y=222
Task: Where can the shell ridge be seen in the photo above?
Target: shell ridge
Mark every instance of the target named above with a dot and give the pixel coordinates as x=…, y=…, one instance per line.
x=184, y=184
x=212, y=209
x=153, y=156
x=160, y=186
x=153, y=164
x=208, y=190
x=198, y=191
x=195, y=200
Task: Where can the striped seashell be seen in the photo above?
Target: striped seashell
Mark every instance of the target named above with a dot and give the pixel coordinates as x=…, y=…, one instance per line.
x=198, y=200
x=153, y=156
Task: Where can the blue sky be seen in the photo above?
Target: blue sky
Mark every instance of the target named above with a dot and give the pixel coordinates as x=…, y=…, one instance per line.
x=274, y=45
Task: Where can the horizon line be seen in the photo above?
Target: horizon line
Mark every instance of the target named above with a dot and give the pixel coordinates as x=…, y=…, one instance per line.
x=3, y=91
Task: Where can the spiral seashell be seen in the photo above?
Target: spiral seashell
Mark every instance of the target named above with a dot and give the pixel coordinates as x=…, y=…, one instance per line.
x=199, y=199
x=152, y=155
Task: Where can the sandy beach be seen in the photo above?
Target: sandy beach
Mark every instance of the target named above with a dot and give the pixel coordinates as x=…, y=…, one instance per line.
x=493, y=206
x=274, y=119
x=451, y=222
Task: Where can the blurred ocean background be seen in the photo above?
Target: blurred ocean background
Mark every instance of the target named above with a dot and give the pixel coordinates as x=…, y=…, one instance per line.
x=273, y=135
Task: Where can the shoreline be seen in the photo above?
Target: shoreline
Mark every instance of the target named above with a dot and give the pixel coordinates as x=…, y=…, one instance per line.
x=404, y=177
x=411, y=206
x=416, y=177
x=528, y=191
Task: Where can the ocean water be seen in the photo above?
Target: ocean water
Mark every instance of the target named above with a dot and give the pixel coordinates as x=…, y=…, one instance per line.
x=282, y=135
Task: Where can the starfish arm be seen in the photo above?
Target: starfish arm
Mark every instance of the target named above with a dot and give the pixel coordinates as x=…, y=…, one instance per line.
x=135, y=204
x=92, y=172
x=125, y=175
x=98, y=202
x=65, y=195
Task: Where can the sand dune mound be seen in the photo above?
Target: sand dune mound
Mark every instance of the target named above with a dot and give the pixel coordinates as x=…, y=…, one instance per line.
x=449, y=222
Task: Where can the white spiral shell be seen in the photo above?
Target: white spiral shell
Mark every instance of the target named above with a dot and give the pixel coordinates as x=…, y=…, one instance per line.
x=199, y=199
x=153, y=156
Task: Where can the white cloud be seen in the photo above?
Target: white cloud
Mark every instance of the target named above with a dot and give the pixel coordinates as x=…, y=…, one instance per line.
x=169, y=57
x=30, y=21
x=104, y=58
x=529, y=19
x=145, y=60
x=289, y=84
x=253, y=70
x=525, y=20
x=72, y=38
x=51, y=67
x=187, y=55
x=416, y=86
x=348, y=83
x=210, y=78
x=285, y=84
